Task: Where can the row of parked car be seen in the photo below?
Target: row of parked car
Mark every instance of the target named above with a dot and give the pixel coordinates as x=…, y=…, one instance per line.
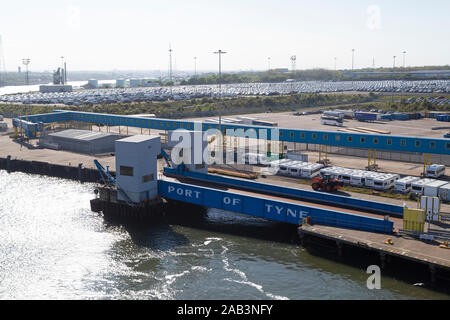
x=438, y=101
x=127, y=95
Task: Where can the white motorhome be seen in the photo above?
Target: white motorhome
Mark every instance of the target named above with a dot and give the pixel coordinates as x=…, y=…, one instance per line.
x=295, y=168
x=384, y=182
x=346, y=176
x=254, y=158
x=404, y=184
x=418, y=186
x=284, y=167
x=435, y=171
x=332, y=171
x=311, y=170
x=358, y=179
x=370, y=177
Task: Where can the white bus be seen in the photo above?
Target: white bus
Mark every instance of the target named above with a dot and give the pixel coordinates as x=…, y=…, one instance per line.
x=331, y=121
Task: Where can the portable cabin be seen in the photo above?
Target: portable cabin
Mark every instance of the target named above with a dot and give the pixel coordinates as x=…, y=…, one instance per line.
x=444, y=192
x=432, y=189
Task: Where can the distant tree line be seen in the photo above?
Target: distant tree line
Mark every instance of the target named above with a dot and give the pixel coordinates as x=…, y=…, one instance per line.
x=274, y=76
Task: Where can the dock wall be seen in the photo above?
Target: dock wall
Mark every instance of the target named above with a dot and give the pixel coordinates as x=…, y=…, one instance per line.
x=77, y=173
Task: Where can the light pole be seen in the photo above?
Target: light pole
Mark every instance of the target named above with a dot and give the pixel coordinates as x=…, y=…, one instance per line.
x=393, y=69
x=63, y=71
x=335, y=68
x=26, y=62
x=353, y=58
x=220, y=52
x=404, y=53
x=268, y=64
x=195, y=66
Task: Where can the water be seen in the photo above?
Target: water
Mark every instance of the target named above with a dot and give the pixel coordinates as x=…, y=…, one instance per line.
x=53, y=247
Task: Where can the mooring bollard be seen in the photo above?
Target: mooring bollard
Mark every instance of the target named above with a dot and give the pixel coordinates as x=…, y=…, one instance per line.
x=80, y=172
x=8, y=164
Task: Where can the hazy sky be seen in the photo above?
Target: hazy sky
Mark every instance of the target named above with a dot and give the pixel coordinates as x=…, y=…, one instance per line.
x=134, y=34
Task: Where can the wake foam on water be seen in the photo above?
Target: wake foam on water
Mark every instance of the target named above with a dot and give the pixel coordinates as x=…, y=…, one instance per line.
x=257, y=287
x=244, y=278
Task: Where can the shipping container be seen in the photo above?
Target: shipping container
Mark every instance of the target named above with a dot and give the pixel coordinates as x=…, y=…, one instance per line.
x=443, y=117
x=366, y=116
x=400, y=116
x=386, y=117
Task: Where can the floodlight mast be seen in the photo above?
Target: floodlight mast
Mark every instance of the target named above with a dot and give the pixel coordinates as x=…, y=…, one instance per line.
x=220, y=52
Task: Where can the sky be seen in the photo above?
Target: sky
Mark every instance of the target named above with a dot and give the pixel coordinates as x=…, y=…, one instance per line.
x=135, y=34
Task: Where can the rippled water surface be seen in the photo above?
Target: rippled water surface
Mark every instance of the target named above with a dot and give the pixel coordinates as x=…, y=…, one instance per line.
x=53, y=247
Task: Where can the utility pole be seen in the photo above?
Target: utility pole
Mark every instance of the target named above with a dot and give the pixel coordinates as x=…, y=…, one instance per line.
x=26, y=62
x=220, y=52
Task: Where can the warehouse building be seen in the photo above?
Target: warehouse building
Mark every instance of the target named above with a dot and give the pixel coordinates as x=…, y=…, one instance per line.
x=81, y=141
